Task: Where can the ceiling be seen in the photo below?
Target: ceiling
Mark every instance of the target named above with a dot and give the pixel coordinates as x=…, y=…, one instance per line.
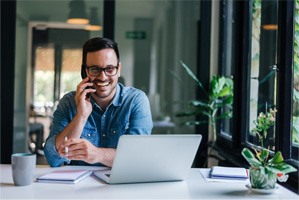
x=57, y=11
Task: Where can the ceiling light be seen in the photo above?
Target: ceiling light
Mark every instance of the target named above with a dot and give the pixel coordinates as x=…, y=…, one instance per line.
x=94, y=22
x=77, y=13
x=270, y=27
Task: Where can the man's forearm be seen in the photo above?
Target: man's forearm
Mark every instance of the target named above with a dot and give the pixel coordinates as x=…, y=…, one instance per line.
x=72, y=130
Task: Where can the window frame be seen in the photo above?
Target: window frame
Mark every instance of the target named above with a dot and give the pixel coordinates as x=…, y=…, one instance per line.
x=285, y=86
x=283, y=142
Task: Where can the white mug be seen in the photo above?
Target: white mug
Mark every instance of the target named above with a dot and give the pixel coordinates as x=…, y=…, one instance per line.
x=23, y=168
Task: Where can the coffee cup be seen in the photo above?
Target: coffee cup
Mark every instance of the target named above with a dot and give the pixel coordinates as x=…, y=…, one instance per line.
x=23, y=168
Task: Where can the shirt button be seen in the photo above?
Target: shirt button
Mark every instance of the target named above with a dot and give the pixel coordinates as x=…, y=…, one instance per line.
x=104, y=115
x=114, y=132
x=104, y=135
x=88, y=134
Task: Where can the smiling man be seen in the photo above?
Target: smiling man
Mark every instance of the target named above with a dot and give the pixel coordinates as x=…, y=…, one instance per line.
x=98, y=113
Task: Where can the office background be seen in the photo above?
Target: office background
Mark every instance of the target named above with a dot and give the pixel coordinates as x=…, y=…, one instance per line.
x=212, y=37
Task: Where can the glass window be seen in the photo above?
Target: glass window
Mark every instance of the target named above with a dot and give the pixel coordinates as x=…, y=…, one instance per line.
x=71, y=69
x=227, y=54
x=152, y=42
x=43, y=75
x=47, y=58
x=295, y=128
x=57, y=60
x=263, y=64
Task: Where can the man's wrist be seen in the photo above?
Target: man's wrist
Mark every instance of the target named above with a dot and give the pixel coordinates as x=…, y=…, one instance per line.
x=80, y=119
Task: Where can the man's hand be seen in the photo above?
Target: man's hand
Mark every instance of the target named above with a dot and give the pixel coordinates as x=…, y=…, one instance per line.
x=84, y=107
x=81, y=149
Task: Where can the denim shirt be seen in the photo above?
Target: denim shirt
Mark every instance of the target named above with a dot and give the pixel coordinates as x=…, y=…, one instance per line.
x=128, y=113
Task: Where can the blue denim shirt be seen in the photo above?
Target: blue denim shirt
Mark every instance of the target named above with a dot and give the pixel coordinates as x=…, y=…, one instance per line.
x=128, y=113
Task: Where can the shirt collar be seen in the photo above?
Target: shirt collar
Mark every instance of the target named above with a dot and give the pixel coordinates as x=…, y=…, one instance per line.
x=116, y=100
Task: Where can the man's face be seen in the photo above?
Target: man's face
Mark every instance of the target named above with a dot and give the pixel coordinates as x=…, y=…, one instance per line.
x=105, y=85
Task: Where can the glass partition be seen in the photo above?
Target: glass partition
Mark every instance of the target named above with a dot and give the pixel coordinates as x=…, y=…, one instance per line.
x=48, y=60
x=153, y=37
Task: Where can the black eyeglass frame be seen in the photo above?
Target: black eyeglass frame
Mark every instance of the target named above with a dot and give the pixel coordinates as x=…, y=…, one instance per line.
x=101, y=69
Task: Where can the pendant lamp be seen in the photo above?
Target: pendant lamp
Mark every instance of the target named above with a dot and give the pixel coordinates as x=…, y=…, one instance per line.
x=77, y=13
x=94, y=22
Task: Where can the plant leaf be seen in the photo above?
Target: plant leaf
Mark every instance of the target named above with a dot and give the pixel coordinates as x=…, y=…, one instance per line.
x=277, y=158
x=249, y=156
x=224, y=92
x=199, y=103
x=191, y=74
x=264, y=154
x=176, y=76
x=282, y=167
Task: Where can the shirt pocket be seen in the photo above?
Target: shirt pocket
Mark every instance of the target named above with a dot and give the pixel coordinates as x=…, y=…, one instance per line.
x=116, y=131
x=88, y=133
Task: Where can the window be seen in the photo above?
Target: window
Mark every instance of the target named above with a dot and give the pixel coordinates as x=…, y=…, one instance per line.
x=71, y=69
x=295, y=115
x=226, y=55
x=263, y=64
x=56, y=65
x=43, y=75
x=264, y=57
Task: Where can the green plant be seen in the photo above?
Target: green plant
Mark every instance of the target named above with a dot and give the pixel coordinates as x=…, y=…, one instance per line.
x=220, y=96
x=263, y=123
x=261, y=161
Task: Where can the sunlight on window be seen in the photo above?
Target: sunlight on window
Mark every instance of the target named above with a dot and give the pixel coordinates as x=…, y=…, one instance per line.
x=44, y=76
x=255, y=58
x=71, y=69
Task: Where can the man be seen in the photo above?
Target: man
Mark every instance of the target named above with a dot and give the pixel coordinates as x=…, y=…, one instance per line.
x=87, y=123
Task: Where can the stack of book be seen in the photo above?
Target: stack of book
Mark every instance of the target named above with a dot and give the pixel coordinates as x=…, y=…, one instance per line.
x=231, y=173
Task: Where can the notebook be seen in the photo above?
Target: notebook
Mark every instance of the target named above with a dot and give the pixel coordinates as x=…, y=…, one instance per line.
x=220, y=172
x=151, y=158
x=65, y=176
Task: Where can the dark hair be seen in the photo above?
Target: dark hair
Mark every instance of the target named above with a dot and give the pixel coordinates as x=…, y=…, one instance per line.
x=96, y=44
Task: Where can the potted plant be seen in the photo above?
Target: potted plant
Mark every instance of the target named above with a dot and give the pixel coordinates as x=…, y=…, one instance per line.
x=219, y=96
x=265, y=171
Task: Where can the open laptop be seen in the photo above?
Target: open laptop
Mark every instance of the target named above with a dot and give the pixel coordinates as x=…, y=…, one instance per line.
x=151, y=158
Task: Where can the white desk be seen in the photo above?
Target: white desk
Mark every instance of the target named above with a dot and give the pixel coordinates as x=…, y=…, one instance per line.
x=195, y=187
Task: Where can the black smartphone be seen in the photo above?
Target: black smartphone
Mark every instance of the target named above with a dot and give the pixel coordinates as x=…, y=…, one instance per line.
x=84, y=75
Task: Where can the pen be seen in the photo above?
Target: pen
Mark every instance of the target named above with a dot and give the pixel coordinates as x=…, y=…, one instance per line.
x=66, y=149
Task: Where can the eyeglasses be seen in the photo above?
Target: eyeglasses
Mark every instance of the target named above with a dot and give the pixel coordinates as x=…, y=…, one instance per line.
x=96, y=71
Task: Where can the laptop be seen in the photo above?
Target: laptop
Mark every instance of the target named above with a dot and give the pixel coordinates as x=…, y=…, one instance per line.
x=151, y=158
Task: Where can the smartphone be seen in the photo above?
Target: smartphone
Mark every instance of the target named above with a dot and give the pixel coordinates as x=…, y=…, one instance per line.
x=84, y=75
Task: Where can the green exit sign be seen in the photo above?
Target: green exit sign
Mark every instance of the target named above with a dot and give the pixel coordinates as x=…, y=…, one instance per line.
x=136, y=35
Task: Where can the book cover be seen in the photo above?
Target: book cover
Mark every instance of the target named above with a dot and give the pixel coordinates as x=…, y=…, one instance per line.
x=228, y=172
x=64, y=176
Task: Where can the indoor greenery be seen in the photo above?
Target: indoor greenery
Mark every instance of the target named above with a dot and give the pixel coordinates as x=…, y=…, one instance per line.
x=219, y=97
x=264, y=171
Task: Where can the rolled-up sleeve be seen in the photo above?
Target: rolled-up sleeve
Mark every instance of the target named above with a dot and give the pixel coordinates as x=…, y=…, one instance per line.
x=61, y=118
x=141, y=118
x=53, y=157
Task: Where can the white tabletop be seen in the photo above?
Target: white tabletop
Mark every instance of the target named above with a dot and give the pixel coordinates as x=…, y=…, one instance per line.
x=194, y=187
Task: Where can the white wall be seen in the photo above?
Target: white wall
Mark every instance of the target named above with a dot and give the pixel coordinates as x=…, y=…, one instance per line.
x=125, y=46
x=21, y=103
